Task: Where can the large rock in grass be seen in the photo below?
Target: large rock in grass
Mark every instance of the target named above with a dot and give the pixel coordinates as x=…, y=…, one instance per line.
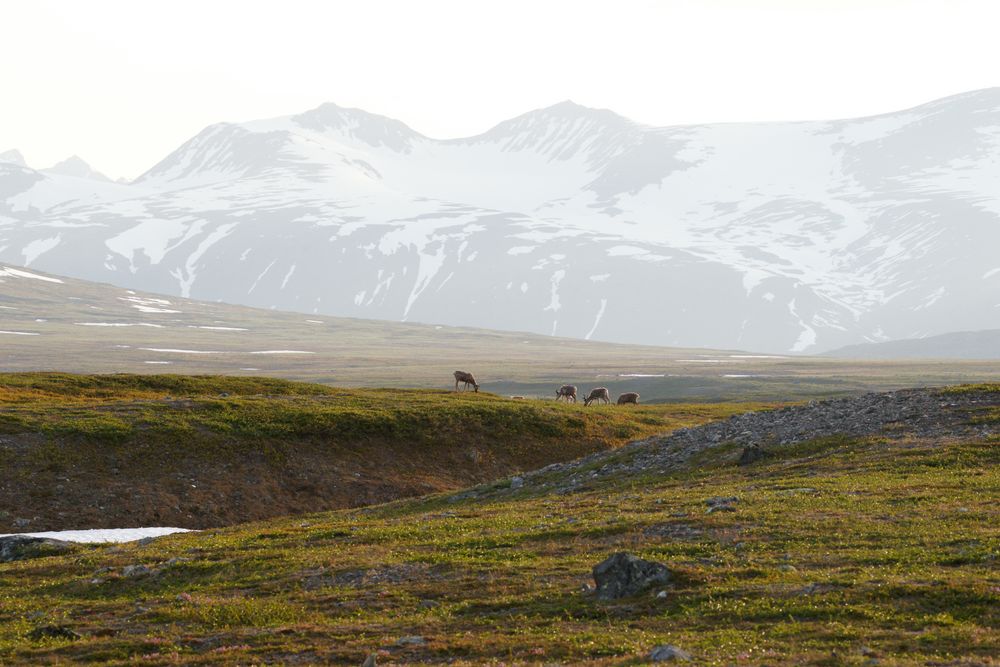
x=750, y=454
x=21, y=547
x=668, y=653
x=53, y=632
x=623, y=575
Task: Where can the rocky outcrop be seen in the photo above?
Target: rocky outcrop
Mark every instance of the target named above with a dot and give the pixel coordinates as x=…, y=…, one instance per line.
x=895, y=414
x=668, y=653
x=623, y=575
x=21, y=547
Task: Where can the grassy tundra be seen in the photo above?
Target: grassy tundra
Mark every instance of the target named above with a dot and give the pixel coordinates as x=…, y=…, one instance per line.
x=199, y=451
x=840, y=551
x=86, y=327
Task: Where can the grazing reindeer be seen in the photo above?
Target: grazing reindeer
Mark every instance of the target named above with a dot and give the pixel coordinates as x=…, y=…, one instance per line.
x=629, y=397
x=599, y=394
x=466, y=379
x=566, y=391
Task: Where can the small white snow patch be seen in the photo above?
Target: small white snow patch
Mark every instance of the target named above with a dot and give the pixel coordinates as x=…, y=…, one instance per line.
x=597, y=320
x=39, y=247
x=554, y=303
x=703, y=361
x=101, y=535
x=151, y=309
x=757, y=356
x=19, y=333
x=118, y=324
x=8, y=272
x=287, y=276
x=626, y=251
x=148, y=305
x=158, y=362
x=315, y=322
x=193, y=326
x=521, y=250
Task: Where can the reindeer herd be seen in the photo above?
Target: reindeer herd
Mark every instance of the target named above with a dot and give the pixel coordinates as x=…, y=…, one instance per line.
x=567, y=391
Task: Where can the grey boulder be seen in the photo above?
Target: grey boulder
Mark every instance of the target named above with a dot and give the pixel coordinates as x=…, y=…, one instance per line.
x=623, y=575
x=21, y=547
x=668, y=653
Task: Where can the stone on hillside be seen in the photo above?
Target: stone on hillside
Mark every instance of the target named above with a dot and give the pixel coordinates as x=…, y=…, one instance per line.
x=21, y=523
x=751, y=454
x=516, y=482
x=622, y=575
x=668, y=653
x=53, y=632
x=369, y=661
x=21, y=547
x=138, y=570
x=721, y=504
x=412, y=640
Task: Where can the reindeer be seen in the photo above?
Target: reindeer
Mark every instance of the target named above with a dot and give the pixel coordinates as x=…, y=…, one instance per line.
x=566, y=391
x=598, y=394
x=629, y=397
x=466, y=379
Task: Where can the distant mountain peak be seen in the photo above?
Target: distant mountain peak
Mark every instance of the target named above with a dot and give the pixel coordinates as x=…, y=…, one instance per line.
x=371, y=128
x=564, y=130
x=568, y=109
x=74, y=165
x=13, y=156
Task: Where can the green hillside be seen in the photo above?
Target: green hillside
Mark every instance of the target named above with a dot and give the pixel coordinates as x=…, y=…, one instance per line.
x=201, y=451
x=841, y=550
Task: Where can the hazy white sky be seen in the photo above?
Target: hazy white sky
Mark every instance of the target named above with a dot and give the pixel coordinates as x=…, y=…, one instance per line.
x=122, y=83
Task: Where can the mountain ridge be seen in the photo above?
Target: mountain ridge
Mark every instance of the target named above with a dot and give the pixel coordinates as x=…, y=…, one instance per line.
x=957, y=345
x=793, y=237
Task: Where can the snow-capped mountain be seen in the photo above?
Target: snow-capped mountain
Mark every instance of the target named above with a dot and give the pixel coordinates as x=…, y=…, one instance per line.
x=74, y=165
x=13, y=156
x=565, y=220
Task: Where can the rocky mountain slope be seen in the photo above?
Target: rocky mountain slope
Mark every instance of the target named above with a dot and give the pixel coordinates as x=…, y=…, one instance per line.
x=566, y=220
x=967, y=412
